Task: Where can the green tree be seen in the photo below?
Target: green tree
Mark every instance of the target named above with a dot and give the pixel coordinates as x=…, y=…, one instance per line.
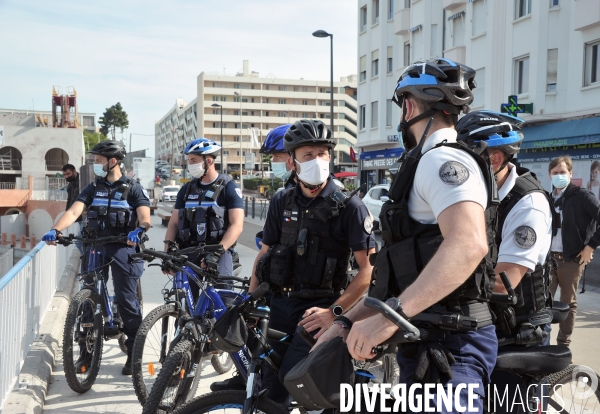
x=114, y=117
x=92, y=138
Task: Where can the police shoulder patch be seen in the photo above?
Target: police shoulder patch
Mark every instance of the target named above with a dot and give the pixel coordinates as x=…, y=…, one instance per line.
x=453, y=173
x=145, y=193
x=239, y=192
x=525, y=237
x=368, y=224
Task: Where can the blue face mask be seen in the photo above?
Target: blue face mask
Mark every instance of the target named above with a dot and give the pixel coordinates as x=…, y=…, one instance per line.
x=280, y=171
x=99, y=170
x=560, y=181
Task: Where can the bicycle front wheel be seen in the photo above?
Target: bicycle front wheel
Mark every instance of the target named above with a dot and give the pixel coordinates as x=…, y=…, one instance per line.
x=177, y=381
x=222, y=362
x=150, y=348
x=82, y=343
x=230, y=402
x=574, y=390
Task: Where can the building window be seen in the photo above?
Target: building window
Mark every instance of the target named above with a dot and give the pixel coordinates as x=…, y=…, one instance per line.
x=215, y=112
x=390, y=9
x=305, y=89
x=374, y=114
x=479, y=91
x=281, y=88
x=407, y=4
x=522, y=8
x=388, y=112
x=237, y=153
x=592, y=72
x=281, y=101
x=522, y=75
x=267, y=87
x=551, y=70
x=304, y=101
x=282, y=114
x=374, y=63
x=215, y=98
x=363, y=116
x=305, y=115
x=363, y=18
x=406, y=54
x=236, y=139
x=479, y=17
x=434, y=41
x=390, y=59
x=554, y=3
x=226, y=153
x=236, y=86
x=375, y=12
x=458, y=31
x=295, y=89
x=363, y=68
x=267, y=113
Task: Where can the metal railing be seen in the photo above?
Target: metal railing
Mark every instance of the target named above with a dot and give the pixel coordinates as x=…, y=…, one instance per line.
x=49, y=195
x=7, y=186
x=26, y=291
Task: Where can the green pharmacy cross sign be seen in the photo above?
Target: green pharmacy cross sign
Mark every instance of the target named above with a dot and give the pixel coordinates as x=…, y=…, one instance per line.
x=513, y=107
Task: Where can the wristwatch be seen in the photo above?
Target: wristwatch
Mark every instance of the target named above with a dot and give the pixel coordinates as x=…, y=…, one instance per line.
x=337, y=310
x=396, y=305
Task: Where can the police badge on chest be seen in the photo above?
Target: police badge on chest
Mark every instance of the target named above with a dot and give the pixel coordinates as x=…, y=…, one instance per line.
x=201, y=228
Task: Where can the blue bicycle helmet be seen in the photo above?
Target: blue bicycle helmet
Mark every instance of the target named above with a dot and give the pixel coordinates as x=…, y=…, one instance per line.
x=497, y=130
x=202, y=146
x=274, y=140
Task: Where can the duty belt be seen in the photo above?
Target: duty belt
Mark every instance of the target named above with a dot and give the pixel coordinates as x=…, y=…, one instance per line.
x=557, y=255
x=308, y=293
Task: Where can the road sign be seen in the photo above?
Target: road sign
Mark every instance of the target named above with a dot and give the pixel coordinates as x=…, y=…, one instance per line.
x=249, y=165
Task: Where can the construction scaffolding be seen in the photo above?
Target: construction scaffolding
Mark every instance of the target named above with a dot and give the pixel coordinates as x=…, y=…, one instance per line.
x=64, y=108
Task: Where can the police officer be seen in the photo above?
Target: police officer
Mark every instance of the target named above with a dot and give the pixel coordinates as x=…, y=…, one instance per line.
x=524, y=226
x=308, y=237
x=208, y=209
x=115, y=205
x=435, y=235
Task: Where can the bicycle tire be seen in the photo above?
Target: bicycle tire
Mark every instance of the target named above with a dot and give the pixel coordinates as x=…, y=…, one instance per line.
x=81, y=382
x=122, y=340
x=228, y=399
x=222, y=362
x=149, y=338
x=581, y=376
x=391, y=370
x=169, y=381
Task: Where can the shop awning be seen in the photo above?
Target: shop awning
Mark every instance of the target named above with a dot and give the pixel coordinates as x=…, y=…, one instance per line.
x=345, y=174
x=386, y=153
x=562, y=134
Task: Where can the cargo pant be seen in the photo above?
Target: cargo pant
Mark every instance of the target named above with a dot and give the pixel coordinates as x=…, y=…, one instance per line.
x=567, y=277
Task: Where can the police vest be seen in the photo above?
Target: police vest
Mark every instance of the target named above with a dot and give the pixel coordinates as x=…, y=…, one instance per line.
x=203, y=220
x=307, y=256
x=410, y=245
x=535, y=300
x=110, y=214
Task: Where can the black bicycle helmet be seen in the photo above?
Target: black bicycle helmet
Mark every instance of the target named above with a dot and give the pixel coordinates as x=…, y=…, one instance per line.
x=307, y=132
x=109, y=149
x=497, y=130
x=437, y=80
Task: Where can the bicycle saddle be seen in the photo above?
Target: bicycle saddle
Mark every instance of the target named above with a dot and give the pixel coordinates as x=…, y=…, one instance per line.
x=539, y=360
x=560, y=311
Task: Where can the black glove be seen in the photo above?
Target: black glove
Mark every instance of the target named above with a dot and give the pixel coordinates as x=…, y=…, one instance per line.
x=507, y=320
x=212, y=260
x=434, y=361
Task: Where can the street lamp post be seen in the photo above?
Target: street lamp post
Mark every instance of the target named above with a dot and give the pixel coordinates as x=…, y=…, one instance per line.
x=239, y=95
x=221, y=106
x=323, y=33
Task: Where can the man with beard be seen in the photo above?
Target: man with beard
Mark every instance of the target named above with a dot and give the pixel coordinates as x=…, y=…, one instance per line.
x=72, y=177
x=435, y=260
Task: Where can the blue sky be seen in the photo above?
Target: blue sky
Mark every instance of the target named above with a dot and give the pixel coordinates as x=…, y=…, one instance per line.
x=145, y=54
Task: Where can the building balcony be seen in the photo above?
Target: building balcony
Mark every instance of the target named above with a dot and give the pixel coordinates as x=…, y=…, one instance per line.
x=402, y=21
x=450, y=4
x=457, y=54
x=586, y=14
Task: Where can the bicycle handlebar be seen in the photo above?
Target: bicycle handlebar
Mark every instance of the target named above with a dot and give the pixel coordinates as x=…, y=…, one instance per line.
x=66, y=240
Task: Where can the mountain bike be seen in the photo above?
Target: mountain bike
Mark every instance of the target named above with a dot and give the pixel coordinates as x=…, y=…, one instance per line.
x=92, y=316
x=159, y=327
x=183, y=345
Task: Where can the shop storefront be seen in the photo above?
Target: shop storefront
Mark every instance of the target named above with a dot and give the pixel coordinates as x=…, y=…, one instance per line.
x=580, y=139
x=378, y=167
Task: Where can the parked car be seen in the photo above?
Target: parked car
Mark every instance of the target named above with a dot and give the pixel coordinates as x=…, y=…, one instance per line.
x=375, y=198
x=169, y=193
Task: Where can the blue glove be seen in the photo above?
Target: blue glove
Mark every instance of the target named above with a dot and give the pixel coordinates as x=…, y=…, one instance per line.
x=51, y=236
x=135, y=236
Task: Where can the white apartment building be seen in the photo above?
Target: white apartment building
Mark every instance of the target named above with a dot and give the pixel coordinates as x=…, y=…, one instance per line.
x=255, y=105
x=545, y=52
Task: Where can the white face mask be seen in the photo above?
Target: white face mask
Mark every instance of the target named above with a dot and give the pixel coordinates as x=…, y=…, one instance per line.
x=196, y=170
x=99, y=170
x=314, y=172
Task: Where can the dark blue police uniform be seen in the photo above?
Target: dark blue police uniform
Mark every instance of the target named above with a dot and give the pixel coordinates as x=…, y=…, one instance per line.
x=120, y=219
x=348, y=230
x=209, y=218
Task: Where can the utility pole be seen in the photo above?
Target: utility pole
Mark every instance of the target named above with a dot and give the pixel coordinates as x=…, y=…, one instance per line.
x=239, y=95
